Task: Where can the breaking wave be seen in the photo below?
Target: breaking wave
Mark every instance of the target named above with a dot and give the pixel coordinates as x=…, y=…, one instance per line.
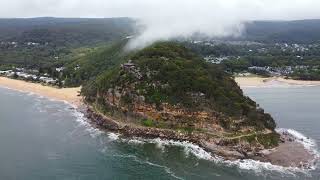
x=84, y=122
x=113, y=136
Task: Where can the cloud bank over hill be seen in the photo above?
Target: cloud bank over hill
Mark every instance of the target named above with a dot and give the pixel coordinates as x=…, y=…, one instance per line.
x=165, y=19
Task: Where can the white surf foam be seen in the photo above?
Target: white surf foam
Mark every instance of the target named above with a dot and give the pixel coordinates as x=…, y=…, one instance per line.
x=84, y=122
x=189, y=148
x=113, y=136
x=136, y=141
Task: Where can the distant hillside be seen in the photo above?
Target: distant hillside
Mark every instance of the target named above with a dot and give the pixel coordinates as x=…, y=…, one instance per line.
x=65, y=31
x=79, y=31
x=302, y=31
x=88, y=31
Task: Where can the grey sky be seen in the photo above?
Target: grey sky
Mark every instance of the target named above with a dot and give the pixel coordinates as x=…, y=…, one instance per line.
x=168, y=18
x=248, y=9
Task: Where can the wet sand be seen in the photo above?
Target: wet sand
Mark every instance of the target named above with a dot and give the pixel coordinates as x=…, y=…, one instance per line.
x=70, y=95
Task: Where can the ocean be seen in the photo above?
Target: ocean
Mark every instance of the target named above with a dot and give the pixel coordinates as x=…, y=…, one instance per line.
x=44, y=139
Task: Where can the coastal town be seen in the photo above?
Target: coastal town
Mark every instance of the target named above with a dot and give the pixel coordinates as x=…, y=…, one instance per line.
x=292, y=60
x=32, y=75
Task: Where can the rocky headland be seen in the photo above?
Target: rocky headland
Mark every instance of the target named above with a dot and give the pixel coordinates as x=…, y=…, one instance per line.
x=165, y=91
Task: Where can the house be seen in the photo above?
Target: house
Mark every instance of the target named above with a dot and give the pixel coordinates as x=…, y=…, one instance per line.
x=77, y=67
x=131, y=67
x=6, y=73
x=128, y=65
x=19, y=69
x=3, y=72
x=26, y=76
x=47, y=80
x=60, y=69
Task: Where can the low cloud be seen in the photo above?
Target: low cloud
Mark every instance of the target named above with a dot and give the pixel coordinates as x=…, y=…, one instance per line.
x=168, y=19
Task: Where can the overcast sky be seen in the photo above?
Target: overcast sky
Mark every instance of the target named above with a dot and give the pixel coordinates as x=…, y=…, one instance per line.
x=252, y=9
x=168, y=18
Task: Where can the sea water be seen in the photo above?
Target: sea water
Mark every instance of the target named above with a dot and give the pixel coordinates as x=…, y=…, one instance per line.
x=45, y=139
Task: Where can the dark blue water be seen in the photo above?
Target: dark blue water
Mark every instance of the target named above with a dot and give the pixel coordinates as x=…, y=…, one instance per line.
x=43, y=139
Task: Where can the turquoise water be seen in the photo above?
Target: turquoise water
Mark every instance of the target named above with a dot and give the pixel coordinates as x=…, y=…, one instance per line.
x=44, y=139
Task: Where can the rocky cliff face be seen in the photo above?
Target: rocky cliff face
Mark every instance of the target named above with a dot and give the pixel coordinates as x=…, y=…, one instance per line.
x=128, y=99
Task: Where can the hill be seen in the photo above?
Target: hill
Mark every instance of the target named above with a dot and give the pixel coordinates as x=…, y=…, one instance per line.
x=300, y=31
x=166, y=86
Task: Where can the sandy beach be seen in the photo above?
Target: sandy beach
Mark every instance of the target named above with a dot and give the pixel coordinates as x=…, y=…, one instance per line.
x=69, y=95
x=260, y=82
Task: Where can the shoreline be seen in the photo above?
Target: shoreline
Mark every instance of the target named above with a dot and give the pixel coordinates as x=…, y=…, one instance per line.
x=69, y=95
x=272, y=81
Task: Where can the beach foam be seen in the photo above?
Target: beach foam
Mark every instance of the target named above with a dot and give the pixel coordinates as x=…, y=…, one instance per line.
x=84, y=122
x=113, y=136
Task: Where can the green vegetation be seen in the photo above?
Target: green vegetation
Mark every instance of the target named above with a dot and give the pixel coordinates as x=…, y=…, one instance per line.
x=306, y=74
x=300, y=31
x=267, y=140
x=148, y=122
